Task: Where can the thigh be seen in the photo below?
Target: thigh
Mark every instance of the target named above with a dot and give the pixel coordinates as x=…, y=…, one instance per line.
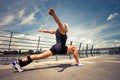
x=45, y=54
x=42, y=55
x=69, y=49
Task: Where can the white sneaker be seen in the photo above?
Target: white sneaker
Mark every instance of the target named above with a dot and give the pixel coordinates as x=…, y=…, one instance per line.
x=78, y=64
x=17, y=66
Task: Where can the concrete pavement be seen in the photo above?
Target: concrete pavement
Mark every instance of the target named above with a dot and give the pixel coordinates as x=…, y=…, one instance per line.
x=106, y=67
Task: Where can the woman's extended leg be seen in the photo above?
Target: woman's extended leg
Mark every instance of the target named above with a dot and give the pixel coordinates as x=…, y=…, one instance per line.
x=39, y=56
x=25, y=61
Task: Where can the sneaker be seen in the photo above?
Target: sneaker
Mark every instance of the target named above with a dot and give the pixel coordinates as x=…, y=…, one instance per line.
x=77, y=64
x=17, y=66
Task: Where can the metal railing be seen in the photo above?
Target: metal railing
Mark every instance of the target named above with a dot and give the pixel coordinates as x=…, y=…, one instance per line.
x=15, y=45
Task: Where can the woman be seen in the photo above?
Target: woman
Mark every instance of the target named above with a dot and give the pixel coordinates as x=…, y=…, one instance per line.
x=59, y=48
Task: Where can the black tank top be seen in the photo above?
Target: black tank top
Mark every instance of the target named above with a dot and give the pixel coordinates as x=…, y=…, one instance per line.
x=60, y=46
x=60, y=38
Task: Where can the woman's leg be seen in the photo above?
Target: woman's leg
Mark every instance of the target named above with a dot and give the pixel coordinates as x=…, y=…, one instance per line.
x=25, y=61
x=75, y=52
x=39, y=56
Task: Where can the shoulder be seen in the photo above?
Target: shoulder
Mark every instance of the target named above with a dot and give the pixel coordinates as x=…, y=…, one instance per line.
x=61, y=32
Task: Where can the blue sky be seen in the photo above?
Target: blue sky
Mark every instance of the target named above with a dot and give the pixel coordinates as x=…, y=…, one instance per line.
x=91, y=21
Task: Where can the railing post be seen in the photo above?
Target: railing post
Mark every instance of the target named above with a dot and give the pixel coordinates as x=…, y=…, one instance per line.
x=70, y=52
x=10, y=41
x=86, y=50
x=9, y=47
x=38, y=44
x=56, y=57
x=79, y=49
x=91, y=51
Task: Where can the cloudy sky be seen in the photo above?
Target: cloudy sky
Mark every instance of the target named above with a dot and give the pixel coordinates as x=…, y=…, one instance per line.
x=90, y=21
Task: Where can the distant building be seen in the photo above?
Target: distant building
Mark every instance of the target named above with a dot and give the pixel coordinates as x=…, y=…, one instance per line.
x=112, y=50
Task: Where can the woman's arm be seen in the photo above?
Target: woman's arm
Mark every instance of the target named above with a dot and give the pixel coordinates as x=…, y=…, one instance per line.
x=53, y=14
x=48, y=31
x=57, y=20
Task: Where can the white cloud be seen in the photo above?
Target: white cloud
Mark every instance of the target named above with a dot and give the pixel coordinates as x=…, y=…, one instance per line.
x=94, y=35
x=117, y=41
x=29, y=19
x=21, y=13
x=26, y=36
x=109, y=35
x=111, y=16
x=73, y=39
x=106, y=43
x=99, y=31
x=0, y=42
x=83, y=39
x=7, y=20
x=86, y=40
x=32, y=37
x=89, y=41
x=20, y=36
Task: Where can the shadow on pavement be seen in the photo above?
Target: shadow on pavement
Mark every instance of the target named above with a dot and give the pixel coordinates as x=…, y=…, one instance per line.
x=62, y=66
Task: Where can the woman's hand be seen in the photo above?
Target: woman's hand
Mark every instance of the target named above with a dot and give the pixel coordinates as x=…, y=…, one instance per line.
x=51, y=11
x=39, y=30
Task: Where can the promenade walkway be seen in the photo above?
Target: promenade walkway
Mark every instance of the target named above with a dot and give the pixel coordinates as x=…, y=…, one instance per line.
x=104, y=67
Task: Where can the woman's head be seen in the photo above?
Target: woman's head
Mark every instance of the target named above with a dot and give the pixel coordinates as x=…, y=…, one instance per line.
x=66, y=27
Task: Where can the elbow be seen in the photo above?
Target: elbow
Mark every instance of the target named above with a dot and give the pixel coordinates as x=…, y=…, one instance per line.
x=52, y=33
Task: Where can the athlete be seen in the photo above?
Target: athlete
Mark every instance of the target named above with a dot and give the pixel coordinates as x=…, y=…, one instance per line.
x=59, y=48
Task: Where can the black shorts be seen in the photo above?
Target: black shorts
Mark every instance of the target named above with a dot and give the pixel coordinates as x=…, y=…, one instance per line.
x=56, y=49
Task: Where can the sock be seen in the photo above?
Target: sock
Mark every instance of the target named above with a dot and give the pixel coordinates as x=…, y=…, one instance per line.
x=22, y=64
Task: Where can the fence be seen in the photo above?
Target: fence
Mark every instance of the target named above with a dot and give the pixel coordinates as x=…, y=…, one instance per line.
x=15, y=45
